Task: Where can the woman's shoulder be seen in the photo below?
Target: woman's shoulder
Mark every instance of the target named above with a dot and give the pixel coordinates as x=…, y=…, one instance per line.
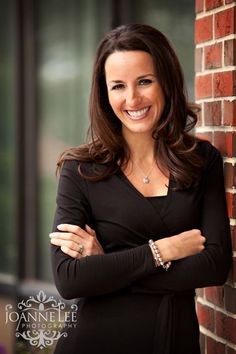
x=208, y=152
x=206, y=148
x=80, y=167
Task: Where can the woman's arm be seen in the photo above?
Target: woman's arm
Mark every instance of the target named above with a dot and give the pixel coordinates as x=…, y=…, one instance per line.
x=96, y=274
x=100, y=274
x=210, y=267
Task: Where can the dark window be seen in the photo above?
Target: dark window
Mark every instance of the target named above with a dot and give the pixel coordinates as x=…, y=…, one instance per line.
x=67, y=35
x=7, y=140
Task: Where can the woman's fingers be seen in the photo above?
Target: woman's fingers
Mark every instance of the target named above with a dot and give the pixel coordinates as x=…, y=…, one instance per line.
x=90, y=231
x=68, y=243
x=66, y=236
x=70, y=252
x=73, y=232
x=76, y=241
x=74, y=249
x=74, y=229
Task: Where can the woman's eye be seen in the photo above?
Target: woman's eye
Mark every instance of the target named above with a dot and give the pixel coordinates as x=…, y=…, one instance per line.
x=117, y=87
x=144, y=82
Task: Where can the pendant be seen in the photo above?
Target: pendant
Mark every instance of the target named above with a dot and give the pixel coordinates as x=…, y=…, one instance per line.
x=146, y=180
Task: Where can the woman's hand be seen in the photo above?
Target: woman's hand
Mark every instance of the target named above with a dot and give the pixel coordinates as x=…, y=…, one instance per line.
x=75, y=241
x=182, y=245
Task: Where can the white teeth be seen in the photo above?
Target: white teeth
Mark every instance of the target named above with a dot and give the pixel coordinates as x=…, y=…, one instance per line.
x=138, y=113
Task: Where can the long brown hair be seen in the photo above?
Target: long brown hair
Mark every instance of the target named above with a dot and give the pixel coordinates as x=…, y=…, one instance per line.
x=175, y=147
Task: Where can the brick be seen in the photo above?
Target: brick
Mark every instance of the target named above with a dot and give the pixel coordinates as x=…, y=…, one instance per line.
x=229, y=116
x=230, y=351
x=212, y=113
x=225, y=142
x=234, y=270
x=211, y=4
x=226, y=327
x=230, y=144
x=233, y=235
x=198, y=59
x=230, y=52
x=229, y=1
x=203, y=86
x=206, y=316
x=231, y=205
x=220, y=142
x=225, y=22
x=213, y=56
x=232, y=273
x=214, y=347
x=224, y=83
x=202, y=340
x=208, y=136
x=230, y=298
x=234, y=207
x=233, y=143
x=204, y=29
x=198, y=6
x=215, y=295
x=230, y=175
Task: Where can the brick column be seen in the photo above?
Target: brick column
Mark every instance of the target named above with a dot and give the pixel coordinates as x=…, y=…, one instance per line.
x=215, y=91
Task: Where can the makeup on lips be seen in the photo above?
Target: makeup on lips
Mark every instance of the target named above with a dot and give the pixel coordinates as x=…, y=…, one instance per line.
x=138, y=114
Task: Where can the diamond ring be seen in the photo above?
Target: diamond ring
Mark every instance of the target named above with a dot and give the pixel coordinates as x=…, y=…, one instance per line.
x=81, y=249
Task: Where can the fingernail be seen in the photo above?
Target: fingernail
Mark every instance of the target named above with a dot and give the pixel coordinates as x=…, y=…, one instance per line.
x=60, y=226
x=50, y=235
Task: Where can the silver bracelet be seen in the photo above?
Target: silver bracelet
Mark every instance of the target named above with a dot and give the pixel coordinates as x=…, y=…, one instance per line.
x=157, y=256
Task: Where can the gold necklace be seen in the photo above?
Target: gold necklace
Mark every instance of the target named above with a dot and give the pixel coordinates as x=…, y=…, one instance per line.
x=146, y=178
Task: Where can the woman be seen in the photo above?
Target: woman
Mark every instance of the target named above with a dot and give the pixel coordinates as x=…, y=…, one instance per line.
x=142, y=177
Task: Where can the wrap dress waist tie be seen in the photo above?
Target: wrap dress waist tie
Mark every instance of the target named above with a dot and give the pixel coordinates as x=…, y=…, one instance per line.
x=164, y=332
x=164, y=329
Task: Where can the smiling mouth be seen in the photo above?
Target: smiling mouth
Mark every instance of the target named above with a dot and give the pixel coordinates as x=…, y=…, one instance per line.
x=138, y=114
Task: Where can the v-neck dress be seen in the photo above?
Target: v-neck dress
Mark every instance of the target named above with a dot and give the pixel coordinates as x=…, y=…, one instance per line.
x=125, y=304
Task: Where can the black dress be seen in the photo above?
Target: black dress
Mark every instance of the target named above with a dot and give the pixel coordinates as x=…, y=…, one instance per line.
x=127, y=305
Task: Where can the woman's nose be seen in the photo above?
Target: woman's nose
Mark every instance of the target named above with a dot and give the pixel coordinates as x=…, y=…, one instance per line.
x=133, y=97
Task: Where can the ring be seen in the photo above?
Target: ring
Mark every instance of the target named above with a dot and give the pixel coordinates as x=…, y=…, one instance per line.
x=81, y=249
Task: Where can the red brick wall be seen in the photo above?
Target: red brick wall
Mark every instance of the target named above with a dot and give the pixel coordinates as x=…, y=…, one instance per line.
x=215, y=91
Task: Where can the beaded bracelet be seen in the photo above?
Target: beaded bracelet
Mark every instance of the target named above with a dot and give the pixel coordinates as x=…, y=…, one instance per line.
x=157, y=256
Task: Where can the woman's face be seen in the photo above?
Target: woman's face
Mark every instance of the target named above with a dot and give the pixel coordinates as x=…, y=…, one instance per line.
x=134, y=92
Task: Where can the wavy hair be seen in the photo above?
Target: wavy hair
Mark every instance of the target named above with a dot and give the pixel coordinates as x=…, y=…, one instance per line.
x=175, y=147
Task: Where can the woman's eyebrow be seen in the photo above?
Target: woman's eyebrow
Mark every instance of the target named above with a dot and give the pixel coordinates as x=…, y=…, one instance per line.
x=143, y=76
x=138, y=78
x=115, y=81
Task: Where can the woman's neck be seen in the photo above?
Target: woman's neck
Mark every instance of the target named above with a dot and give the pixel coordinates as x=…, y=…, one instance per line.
x=141, y=147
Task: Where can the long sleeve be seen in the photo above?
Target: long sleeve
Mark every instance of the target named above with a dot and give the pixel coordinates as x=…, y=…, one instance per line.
x=93, y=275
x=210, y=267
